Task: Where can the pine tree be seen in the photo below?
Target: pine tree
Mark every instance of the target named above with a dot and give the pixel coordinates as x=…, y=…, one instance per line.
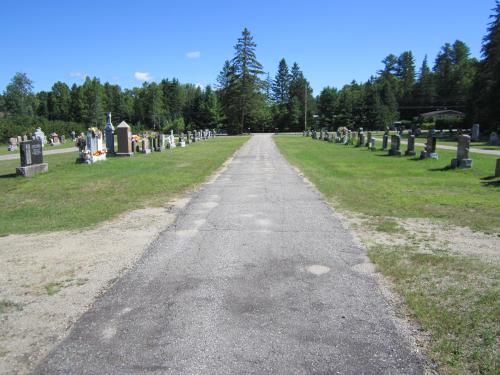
x=486, y=91
x=281, y=83
x=244, y=85
x=18, y=96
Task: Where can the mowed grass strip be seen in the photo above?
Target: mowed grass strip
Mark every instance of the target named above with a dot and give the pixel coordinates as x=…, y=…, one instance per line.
x=73, y=196
x=375, y=184
x=456, y=299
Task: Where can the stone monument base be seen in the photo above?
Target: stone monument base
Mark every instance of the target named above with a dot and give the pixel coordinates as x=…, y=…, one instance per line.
x=146, y=151
x=425, y=155
x=394, y=153
x=183, y=144
x=124, y=154
x=31, y=170
x=461, y=163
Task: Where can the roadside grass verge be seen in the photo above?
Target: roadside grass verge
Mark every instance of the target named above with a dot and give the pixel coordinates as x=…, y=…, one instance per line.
x=455, y=298
x=375, y=184
x=73, y=196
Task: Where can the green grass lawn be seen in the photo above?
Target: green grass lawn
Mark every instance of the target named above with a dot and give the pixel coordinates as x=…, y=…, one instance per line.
x=72, y=196
x=376, y=184
x=456, y=299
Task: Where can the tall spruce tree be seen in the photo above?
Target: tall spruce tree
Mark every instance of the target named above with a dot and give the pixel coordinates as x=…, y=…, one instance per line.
x=244, y=83
x=486, y=91
x=281, y=83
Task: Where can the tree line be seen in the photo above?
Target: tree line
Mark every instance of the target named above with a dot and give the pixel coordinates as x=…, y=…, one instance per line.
x=246, y=98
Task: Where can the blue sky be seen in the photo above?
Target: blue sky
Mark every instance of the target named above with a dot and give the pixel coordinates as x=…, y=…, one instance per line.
x=126, y=42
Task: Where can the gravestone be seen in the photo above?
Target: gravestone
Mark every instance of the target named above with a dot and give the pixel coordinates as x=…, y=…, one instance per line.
x=54, y=139
x=39, y=134
x=475, y=132
x=497, y=169
x=12, y=144
x=385, y=138
x=160, y=142
x=410, y=147
x=145, y=147
x=372, y=144
x=493, y=138
x=110, y=135
x=182, y=143
x=31, y=159
x=430, y=148
x=94, y=150
x=124, y=135
x=368, y=139
x=462, y=160
x=395, y=145
x=361, y=139
x=63, y=138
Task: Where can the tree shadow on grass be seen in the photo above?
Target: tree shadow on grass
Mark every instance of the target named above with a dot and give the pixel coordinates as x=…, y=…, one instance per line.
x=9, y=175
x=487, y=181
x=443, y=169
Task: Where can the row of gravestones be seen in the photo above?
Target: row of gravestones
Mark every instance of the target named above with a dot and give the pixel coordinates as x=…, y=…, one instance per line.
x=53, y=140
x=92, y=149
x=358, y=139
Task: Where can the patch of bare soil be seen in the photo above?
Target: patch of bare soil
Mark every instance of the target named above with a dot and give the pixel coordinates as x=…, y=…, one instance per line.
x=48, y=280
x=428, y=235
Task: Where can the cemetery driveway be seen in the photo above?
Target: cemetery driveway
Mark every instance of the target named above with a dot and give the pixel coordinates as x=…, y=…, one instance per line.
x=256, y=276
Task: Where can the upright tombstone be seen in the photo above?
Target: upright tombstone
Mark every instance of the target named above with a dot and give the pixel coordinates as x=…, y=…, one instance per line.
x=462, y=160
x=361, y=138
x=182, y=143
x=94, y=150
x=40, y=135
x=430, y=148
x=395, y=145
x=31, y=159
x=372, y=144
x=493, y=138
x=475, y=132
x=160, y=142
x=110, y=135
x=410, y=146
x=124, y=135
x=385, y=139
x=145, y=146
x=497, y=168
x=12, y=144
x=368, y=139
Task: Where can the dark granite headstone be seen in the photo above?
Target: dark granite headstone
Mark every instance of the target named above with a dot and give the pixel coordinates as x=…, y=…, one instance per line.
x=31, y=153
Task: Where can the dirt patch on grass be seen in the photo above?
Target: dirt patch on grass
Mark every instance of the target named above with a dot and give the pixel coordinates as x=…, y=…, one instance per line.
x=428, y=235
x=48, y=280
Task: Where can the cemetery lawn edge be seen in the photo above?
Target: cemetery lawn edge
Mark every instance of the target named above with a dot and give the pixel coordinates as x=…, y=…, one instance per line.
x=453, y=298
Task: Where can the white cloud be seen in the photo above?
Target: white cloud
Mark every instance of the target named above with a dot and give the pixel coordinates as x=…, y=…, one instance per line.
x=79, y=75
x=193, y=55
x=200, y=86
x=143, y=76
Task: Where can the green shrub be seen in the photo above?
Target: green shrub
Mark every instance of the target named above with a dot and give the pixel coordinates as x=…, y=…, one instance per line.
x=12, y=126
x=449, y=123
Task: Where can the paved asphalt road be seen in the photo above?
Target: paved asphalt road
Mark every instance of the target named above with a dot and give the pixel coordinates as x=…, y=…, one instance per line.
x=256, y=276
